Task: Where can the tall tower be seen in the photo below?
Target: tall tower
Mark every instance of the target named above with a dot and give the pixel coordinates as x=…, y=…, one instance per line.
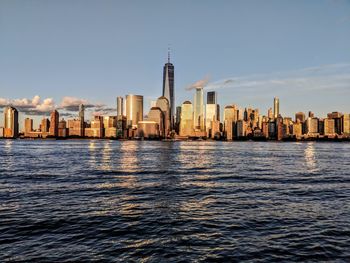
x=134, y=110
x=120, y=105
x=212, y=111
x=54, y=117
x=198, y=109
x=82, y=119
x=11, y=122
x=168, y=88
x=276, y=107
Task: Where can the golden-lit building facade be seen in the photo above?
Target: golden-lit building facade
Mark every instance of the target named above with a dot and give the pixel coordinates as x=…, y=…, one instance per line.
x=148, y=129
x=329, y=127
x=134, y=110
x=11, y=127
x=186, y=122
x=276, y=107
x=155, y=114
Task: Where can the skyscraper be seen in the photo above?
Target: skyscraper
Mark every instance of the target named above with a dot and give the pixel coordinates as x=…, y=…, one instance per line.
x=276, y=107
x=163, y=104
x=211, y=97
x=212, y=111
x=198, y=111
x=168, y=88
x=186, y=123
x=134, y=110
x=82, y=119
x=54, y=117
x=120, y=106
x=11, y=122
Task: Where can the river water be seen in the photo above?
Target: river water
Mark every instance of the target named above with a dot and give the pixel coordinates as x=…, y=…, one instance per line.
x=150, y=201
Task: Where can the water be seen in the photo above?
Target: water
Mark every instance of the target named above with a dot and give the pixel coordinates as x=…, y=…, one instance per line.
x=91, y=200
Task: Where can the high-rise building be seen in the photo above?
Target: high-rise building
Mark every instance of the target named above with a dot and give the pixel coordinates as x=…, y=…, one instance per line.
x=168, y=88
x=211, y=97
x=120, y=106
x=54, y=117
x=62, y=129
x=186, y=124
x=148, y=129
x=28, y=126
x=11, y=122
x=163, y=104
x=270, y=113
x=178, y=118
x=45, y=125
x=134, y=110
x=155, y=114
x=82, y=119
x=329, y=127
x=276, y=107
x=300, y=116
x=212, y=111
x=311, y=126
x=96, y=128
x=346, y=124
x=198, y=111
x=338, y=123
x=230, y=119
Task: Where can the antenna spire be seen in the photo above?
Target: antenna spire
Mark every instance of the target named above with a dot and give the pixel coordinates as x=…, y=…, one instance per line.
x=168, y=53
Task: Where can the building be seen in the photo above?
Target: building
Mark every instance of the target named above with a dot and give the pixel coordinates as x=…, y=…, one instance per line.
x=11, y=127
x=338, y=121
x=241, y=128
x=329, y=127
x=215, y=129
x=346, y=124
x=54, y=120
x=212, y=111
x=276, y=107
x=311, y=127
x=178, y=119
x=45, y=126
x=110, y=126
x=168, y=89
x=297, y=129
x=96, y=128
x=82, y=119
x=120, y=106
x=163, y=104
x=62, y=129
x=28, y=126
x=148, y=129
x=134, y=110
x=270, y=114
x=198, y=110
x=75, y=127
x=230, y=119
x=155, y=114
x=186, y=124
x=300, y=116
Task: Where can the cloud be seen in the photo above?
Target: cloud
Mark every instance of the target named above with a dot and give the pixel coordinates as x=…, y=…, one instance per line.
x=36, y=106
x=72, y=104
x=334, y=77
x=30, y=106
x=199, y=84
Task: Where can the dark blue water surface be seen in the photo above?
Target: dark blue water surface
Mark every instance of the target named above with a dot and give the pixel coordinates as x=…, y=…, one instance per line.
x=139, y=201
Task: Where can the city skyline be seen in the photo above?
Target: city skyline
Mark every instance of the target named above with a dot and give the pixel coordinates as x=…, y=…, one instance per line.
x=251, y=51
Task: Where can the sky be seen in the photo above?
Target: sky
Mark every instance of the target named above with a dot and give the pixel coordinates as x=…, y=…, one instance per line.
x=58, y=54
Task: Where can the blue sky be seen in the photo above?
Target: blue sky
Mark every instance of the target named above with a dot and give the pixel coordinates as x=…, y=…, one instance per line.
x=94, y=51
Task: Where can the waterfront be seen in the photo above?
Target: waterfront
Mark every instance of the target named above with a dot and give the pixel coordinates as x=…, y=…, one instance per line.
x=151, y=201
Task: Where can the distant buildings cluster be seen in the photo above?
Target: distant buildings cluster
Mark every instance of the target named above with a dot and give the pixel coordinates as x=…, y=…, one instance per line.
x=188, y=121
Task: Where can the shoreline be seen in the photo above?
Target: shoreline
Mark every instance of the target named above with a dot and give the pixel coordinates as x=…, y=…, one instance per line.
x=287, y=140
